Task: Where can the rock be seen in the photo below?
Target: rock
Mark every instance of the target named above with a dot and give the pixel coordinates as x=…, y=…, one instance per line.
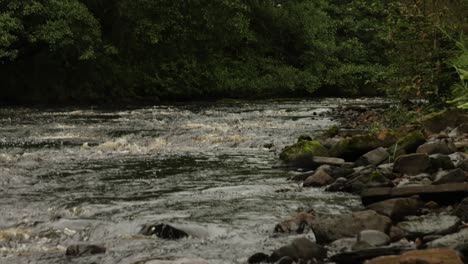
x=360, y=256
x=418, y=226
x=441, y=161
x=412, y=164
x=461, y=210
x=304, y=137
x=443, y=193
x=340, y=172
x=427, y=256
x=285, y=260
x=397, y=208
x=162, y=231
x=328, y=161
x=258, y=258
x=352, y=148
x=452, y=176
x=431, y=205
x=396, y=234
x=338, y=186
x=361, y=245
x=373, y=237
x=299, y=223
x=450, y=241
x=369, y=177
x=176, y=261
x=333, y=227
x=302, y=147
x=441, y=146
x=463, y=165
x=342, y=245
x=374, y=157
x=407, y=144
x=301, y=176
x=436, y=122
x=318, y=179
x=84, y=250
x=300, y=249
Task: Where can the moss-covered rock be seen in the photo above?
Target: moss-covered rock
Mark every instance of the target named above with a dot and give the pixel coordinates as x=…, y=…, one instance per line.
x=352, y=148
x=407, y=144
x=304, y=137
x=312, y=147
x=436, y=122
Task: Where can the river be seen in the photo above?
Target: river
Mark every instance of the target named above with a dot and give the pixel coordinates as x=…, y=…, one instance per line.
x=91, y=175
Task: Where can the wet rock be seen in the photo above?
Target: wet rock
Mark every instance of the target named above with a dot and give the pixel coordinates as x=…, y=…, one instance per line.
x=338, y=186
x=373, y=237
x=258, y=258
x=452, y=176
x=361, y=245
x=407, y=144
x=333, y=227
x=441, y=146
x=441, y=161
x=300, y=249
x=352, y=148
x=428, y=256
x=451, y=241
x=430, y=238
x=340, y=172
x=360, y=256
x=397, y=208
x=285, y=260
x=302, y=176
x=369, y=177
x=318, y=179
x=374, y=157
x=461, y=210
x=342, y=245
x=303, y=147
x=84, y=250
x=396, y=234
x=463, y=165
x=412, y=164
x=299, y=223
x=162, y=231
x=418, y=226
x=304, y=137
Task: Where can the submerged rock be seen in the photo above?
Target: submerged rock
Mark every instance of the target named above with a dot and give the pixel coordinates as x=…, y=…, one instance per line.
x=299, y=223
x=84, y=250
x=428, y=256
x=333, y=227
x=162, y=231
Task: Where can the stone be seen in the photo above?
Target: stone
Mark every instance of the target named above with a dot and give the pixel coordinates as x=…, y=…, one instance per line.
x=352, y=148
x=452, y=176
x=418, y=226
x=342, y=245
x=431, y=205
x=441, y=146
x=84, y=250
x=374, y=157
x=332, y=227
x=463, y=165
x=369, y=177
x=441, y=161
x=397, y=208
x=396, y=234
x=407, y=144
x=436, y=122
x=427, y=256
x=412, y=164
x=328, y=161
x=303, y=147
x=443, y=193
x=461, y=210
x=360, y=256
x=451, y=241
x=258, y=258
x=318, y=179
x=373, y=237
x=162, y=231
x=301, y=249
x=340, y=172
x=285, y=260
x=299, y=224
x=338, y=186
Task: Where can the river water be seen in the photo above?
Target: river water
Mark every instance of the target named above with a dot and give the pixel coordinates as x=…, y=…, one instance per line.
x=89, y=175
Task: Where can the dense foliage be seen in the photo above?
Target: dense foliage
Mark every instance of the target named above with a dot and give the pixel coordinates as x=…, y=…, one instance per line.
x=83, y=50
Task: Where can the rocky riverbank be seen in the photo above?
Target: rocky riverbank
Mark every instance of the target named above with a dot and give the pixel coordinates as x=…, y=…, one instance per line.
x=413, y=182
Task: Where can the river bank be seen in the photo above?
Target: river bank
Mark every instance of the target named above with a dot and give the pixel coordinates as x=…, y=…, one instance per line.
x=413, y=184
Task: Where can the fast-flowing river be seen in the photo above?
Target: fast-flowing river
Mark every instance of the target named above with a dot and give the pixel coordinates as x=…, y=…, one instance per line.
x=88, y=175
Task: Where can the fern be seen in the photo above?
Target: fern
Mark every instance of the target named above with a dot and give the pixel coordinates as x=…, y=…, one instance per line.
x=460, y=63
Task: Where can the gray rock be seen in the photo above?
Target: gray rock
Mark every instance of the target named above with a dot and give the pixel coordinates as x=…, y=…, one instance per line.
x=451, y=241
x=368, y=177
x=373, y=237
x=328, y=161
x=300, y=249
x=163, y=231
x=452, y=176
x=318, y=179
x=332, y=227
x=462, y=210
x=412, y=164
x=84, y=250
x=440, y=146
x=463, y=165
x=342, y=245
x=441, y=161
x=397, y=208
x=425, y=225
x=338, y=186
x=374, y=157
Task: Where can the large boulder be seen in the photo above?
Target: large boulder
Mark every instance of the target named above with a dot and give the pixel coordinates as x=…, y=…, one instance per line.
x=352, y=148
x=412, y=164
x=440, y=146
x=441, y=161
x=452, y=176
x=418, y=226
x=436, y=122
x=333, y=227
x=374, y=157
x=427, y=256
x=311, y=147
x=373, y=237
x=319, y=178
x=301, y=249
x=397, y=208
x=368, y=177
x=407, y=144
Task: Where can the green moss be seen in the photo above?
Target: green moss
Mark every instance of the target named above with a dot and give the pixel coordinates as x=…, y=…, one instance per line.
x=330, y=132
x=353, y=148
x=306, y=146
x=408, y=143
